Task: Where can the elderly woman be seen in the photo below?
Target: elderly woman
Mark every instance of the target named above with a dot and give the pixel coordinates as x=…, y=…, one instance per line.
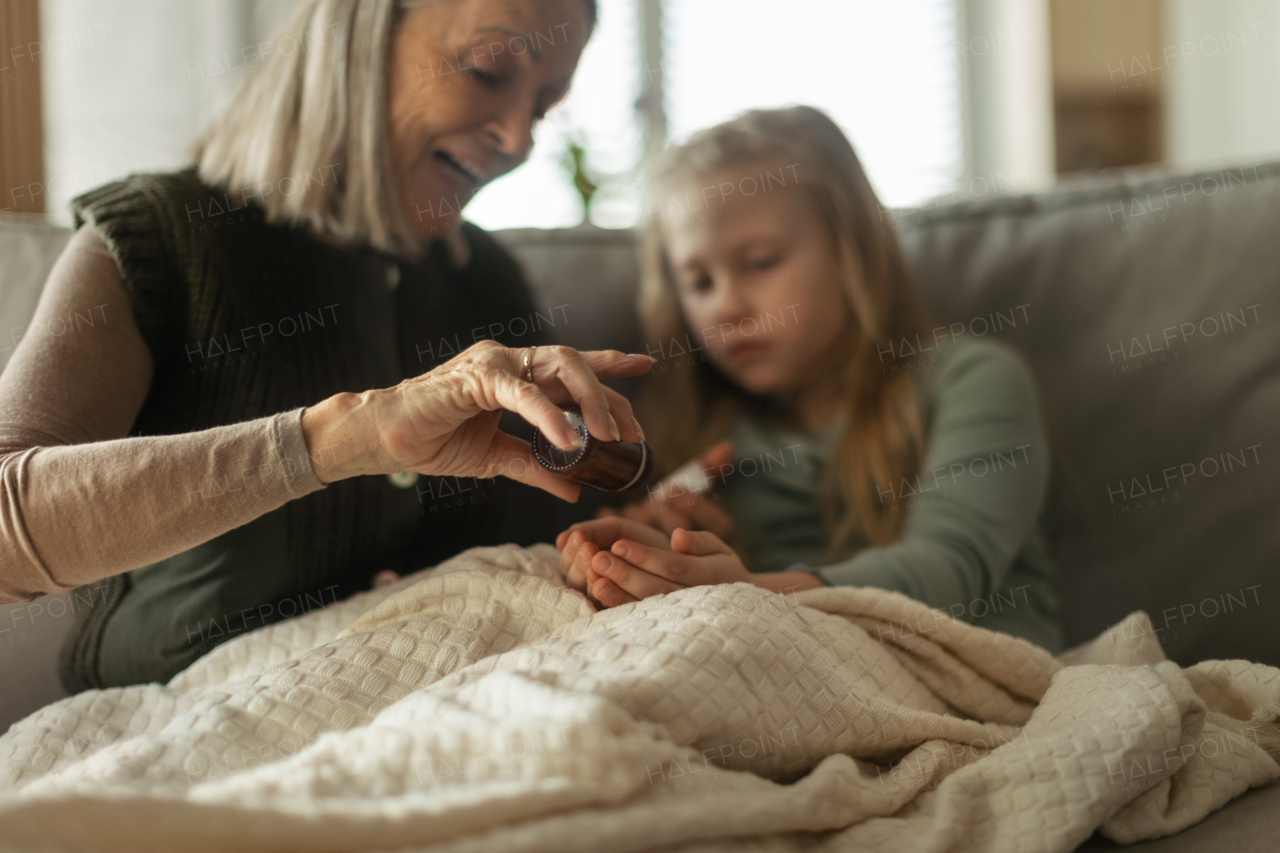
x=239, y=434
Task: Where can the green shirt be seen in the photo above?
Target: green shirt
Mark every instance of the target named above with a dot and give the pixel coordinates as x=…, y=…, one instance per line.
x=973, y=543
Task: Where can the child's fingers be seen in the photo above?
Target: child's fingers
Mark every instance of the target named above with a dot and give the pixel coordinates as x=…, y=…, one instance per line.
x=679, y=569
x=575, y=559
x=608, y=594
x=698, y=543
x=568, y=543
x=635, y=581
x=582, y=560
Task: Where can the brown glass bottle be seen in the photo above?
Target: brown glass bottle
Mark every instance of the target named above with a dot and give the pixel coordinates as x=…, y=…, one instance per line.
x=612, y=466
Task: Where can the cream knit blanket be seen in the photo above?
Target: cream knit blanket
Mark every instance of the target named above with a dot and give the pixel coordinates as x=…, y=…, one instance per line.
x=482, y=706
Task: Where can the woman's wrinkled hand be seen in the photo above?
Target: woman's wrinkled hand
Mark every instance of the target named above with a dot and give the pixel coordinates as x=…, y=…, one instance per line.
x=445, y=422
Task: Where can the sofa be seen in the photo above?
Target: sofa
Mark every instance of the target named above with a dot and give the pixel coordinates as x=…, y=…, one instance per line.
x=1143, y=301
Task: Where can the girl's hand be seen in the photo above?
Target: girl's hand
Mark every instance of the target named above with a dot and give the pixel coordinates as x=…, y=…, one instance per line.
x=631, y=570
x=579, y=544
x=445, y=422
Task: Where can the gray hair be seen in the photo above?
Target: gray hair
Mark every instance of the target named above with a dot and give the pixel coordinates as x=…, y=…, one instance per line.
x=306, y=136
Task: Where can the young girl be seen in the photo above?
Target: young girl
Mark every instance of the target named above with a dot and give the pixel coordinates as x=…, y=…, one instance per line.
x=869, y=446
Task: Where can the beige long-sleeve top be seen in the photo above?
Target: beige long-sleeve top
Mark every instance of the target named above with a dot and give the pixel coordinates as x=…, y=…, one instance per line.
x=79, y=500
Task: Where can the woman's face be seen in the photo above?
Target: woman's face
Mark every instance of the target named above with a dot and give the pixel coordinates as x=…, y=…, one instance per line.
x=468, y=81
x=759, y=283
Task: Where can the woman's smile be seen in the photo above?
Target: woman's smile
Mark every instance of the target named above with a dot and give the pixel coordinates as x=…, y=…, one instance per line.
x=453, y=169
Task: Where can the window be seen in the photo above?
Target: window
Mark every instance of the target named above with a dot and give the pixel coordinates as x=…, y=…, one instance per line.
x=887, y=73
x=599, y=114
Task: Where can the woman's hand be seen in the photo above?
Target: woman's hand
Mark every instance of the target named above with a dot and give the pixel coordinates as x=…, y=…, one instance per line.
x=445, y=422
x=673, y=505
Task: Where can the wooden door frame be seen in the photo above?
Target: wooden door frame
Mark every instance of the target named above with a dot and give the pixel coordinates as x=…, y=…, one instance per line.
x=21, y=116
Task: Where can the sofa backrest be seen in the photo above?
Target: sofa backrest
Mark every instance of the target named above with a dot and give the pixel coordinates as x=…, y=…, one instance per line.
x=1150, y=323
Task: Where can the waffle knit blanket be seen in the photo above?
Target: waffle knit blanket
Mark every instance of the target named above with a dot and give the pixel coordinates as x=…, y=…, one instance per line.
x=482, y=706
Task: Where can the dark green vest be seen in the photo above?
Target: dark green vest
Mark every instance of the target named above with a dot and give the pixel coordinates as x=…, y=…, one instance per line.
x=244, y=320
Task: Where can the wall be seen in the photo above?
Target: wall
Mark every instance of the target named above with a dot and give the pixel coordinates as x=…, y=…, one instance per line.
x=1094, y=41
x=1223, y=71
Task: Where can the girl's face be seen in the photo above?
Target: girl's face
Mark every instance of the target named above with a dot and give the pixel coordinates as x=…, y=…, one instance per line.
x=468, y=80
x=759, y=283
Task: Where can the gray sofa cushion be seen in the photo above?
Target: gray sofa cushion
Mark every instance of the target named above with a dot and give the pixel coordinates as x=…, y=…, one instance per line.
x=588, y=277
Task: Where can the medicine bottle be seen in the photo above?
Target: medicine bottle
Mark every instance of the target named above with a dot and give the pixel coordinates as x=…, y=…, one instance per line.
x=612, y=466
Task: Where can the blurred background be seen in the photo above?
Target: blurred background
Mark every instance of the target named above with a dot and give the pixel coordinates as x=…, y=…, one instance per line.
x=940, y=97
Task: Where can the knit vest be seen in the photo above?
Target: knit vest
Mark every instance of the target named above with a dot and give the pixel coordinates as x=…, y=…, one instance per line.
x=245, y=319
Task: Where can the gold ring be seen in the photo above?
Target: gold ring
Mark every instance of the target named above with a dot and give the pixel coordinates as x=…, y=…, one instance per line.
x=528, y=363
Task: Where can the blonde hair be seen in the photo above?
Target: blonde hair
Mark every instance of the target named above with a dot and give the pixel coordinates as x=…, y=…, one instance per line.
x=691, y=409
x=306, y=135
